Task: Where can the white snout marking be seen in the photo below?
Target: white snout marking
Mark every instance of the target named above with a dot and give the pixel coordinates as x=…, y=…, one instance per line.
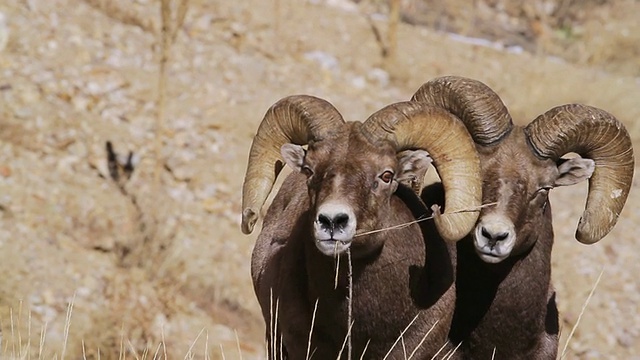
x=494, y=238
x=616, y=193
x=334, y=228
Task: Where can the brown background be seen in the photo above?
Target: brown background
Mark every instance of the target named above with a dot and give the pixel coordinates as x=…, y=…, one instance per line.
x=160, y=265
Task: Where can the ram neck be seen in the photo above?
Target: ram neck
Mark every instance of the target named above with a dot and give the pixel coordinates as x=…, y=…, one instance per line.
x=488, y=293
x=395, y=280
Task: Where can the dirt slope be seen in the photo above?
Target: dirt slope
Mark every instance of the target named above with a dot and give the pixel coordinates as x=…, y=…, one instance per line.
x=158, y=262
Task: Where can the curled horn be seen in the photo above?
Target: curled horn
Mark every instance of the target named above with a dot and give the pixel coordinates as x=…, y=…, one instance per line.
x=412, y=125
x=595, y=134
x=477, y=105
x=295, y=119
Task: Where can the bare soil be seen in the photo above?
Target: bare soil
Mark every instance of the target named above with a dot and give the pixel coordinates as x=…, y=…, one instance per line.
x=156, y=263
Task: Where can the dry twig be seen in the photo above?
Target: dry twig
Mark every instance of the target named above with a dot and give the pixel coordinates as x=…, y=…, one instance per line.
x=168, y=33
x=421, y=219
x=584, y=307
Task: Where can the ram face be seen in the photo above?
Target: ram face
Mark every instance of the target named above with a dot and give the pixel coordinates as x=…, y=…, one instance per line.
x=520, y=165
x=353, y=168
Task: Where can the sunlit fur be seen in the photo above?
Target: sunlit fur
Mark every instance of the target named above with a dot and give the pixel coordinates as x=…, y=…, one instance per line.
x=505, y=301
x=392, y=279
x=509, y=305
x=513, y=178
x=351, y=176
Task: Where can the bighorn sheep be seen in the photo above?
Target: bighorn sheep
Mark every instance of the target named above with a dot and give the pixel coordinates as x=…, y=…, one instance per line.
x=505, y=300
x=343, y=185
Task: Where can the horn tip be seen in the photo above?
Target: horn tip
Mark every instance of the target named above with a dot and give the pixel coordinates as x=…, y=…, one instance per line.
x=249, y=219
x=588, y=234
x=586, y=239
x=453, y=227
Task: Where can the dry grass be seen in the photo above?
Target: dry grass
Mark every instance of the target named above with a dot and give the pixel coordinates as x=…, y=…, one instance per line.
x=453, y=351
x=421, y=219
x=170, y=25
x=564, y=352
x=79, y=75
x=14, y=348
x=124, y=12
x=277, y=353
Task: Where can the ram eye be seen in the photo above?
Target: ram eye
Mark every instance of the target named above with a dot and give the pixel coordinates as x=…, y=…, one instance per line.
x=387, y=176
x=544, y=190
x=541, y=194
x=306, y=170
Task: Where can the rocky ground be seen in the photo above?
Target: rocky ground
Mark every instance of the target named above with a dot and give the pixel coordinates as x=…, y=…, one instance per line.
x=156, y=264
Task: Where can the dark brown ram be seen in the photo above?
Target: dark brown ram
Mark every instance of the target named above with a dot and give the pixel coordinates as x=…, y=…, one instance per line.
x=345, y=183
x=505, y=300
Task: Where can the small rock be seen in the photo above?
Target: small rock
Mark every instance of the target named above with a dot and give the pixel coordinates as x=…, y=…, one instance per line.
x=324, y=59
x=379, y=76
x=626, y=339
x=359, y=82
x=5, y=171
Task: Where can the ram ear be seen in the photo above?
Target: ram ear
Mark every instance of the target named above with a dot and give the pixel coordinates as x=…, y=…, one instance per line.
x=413, y=166
x=573, y=171
x=293, y=155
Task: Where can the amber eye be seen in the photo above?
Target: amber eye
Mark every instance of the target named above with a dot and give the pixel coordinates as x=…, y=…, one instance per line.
x=306, y=170
x=387, y=176
x=541, y=194
x=544, y=190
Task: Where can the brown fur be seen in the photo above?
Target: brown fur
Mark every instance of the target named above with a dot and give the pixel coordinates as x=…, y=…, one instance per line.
x=397, y=275
x=510, y=306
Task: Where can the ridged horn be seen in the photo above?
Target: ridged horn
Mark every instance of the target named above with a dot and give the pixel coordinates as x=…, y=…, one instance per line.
x=477, y=105
x=295, y=119
x=595, y=134
x=414, y=125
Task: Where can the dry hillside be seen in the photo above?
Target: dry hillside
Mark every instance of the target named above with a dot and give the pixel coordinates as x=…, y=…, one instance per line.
x=156, y=264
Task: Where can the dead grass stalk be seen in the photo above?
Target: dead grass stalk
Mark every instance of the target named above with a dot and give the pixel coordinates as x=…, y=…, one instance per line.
x=421, y=219
x=168, y=33
x=313, y=320
x=584, y=307
x=67, y=326
x=440, y=350
x=392, y=34
x=123, y=12
x=237, y=343
x=450, y=354
x=402, y=335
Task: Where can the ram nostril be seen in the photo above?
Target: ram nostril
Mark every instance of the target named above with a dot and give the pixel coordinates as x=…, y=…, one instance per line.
x=335, y=221
x=325, y=221
x=341, y=220
x=494, y=237
x=338, y=221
